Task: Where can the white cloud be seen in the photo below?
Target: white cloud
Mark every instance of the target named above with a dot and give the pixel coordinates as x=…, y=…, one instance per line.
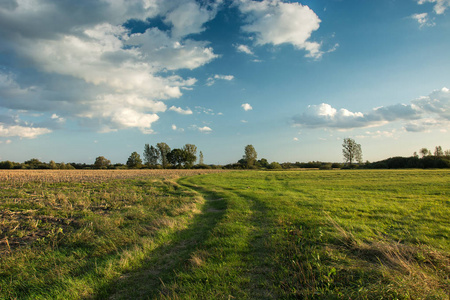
x=378, y=134
x=246, y=106
x=440, y=6
x=175, y=128
x=422, y=113
x=295, y=139
x=204, y=129
x=21, y=131
x=423, y=19
x=188, y=18
x=181, y=111
x=87, y=65
x=211, y=80
x=276, y=22
x=244, y=49
x=204, y=110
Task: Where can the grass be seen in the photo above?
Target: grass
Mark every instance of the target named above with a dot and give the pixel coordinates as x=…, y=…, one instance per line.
x=70, y=236
x=236, y=235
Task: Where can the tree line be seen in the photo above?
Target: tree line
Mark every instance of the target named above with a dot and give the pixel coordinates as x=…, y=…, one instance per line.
x=161, y=156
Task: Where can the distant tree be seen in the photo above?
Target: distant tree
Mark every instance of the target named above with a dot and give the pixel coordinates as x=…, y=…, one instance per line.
x=200, y=158
x=351, y=151
x=164, y=149
x=33, y=163
x=438, y=151
x=274, y=166
x=424, y=152
x=176, y=157
x=134, y=161
x=415, y=154
x=52, y=165
x=151, y=155
x=6, y=165
x=447, y=152
x=250, y=156
x=101, y=163
x=189, y=155
x=263, y=163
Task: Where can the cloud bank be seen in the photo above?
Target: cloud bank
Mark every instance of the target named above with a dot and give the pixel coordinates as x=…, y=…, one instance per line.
x=440, y=6
x=422, y=114
x=85, y=63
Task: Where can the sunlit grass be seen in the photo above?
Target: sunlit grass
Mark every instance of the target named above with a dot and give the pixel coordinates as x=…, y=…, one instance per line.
x=325, y=234
x=237, y=235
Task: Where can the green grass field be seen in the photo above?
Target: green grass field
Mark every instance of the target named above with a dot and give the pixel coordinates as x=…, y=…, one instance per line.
x=236, y=235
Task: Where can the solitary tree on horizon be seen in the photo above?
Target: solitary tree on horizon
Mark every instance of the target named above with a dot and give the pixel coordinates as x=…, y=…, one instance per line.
x=351, y=151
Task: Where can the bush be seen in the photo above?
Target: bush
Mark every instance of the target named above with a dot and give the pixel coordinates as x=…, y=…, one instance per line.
x=326, y=167
x=274, y=166
x=6, y=165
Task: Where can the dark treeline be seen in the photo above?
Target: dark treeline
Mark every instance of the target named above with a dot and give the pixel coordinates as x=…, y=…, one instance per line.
x=161, y=156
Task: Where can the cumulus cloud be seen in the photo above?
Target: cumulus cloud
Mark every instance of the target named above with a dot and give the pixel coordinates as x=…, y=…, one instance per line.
x=423, y=19
x=244, y=49
x=246, y=106
x=86, y=64
x=211, y=80
x=181, y=111
x=203, y=129
x=21, y=131
x=440, y=6
x=175, y=128
x=418, y=114
x=276, y=22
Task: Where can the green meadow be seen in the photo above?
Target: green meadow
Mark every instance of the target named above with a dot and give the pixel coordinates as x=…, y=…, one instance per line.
x=340, y=234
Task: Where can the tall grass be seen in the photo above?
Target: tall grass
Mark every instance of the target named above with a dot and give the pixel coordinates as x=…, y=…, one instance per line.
x=69, y=239
x=238, y=235
x=324, y=235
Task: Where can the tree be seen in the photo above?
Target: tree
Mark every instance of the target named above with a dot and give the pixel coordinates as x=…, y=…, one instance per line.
x=176, y=157
x=134, y=161
x=151, y=155
x=424, y=152
x=351, y=151
x=101, y=162
x=438, y=151
x=263, y=163
x=164, y=149
x=250, y=156
x=200, y=158
x=189, y=155
x=52, y=165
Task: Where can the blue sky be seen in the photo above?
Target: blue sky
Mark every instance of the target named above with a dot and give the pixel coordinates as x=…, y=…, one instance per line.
x=80, y=79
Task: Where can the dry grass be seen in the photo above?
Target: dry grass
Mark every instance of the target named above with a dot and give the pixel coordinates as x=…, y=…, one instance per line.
x=54, y=176
x=411, y=269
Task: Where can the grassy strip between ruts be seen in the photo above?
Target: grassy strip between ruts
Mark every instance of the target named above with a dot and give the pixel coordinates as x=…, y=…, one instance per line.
x=239, y=235
x=322, y=235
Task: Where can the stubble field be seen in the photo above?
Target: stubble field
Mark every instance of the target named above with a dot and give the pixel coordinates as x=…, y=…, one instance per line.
x=228, y=235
